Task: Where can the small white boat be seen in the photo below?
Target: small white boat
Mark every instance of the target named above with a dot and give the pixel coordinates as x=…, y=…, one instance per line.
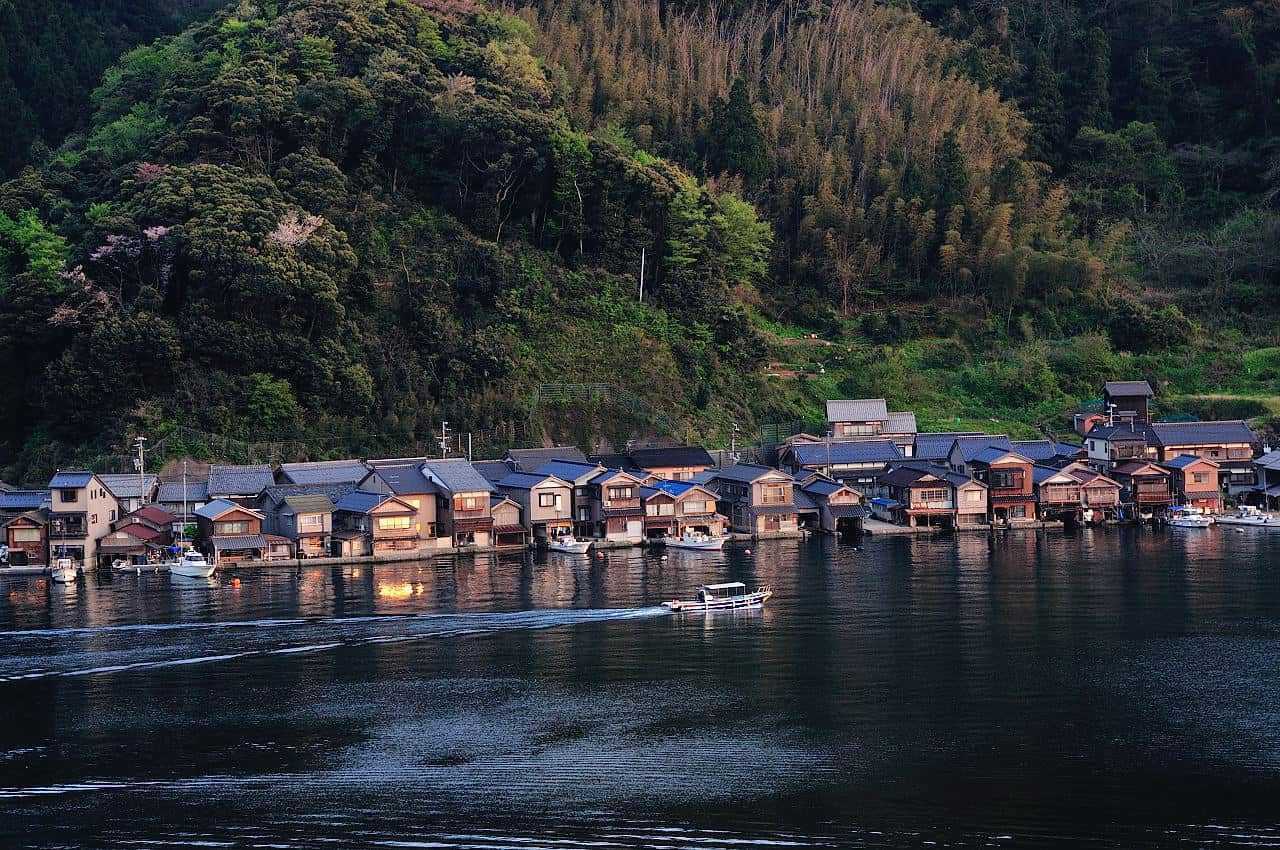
x=1184, y=518
x=572, y=545
x=192, y=565
x=717, y=597
x=1248, y=515
x=64, y=571
x=699, y=541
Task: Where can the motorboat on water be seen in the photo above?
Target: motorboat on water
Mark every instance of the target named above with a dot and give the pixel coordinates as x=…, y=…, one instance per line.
x=698, y=541
x=1248, y=515
x=192, y=564
x=717, y=597
x=568, y=543
x=64, y=571
x=1187, y=518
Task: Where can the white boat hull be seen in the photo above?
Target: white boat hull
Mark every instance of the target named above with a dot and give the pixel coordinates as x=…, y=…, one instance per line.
x=571, y=546
x=750, y=600
x=64, y=576
x=1251, y=522
x=1191, y=522
x=192, y=571
x=703, y=544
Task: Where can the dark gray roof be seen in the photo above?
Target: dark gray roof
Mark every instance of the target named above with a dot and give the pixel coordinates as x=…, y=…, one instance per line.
x=1128, y=388
x=822, y=486
x=857, y=410
x=456, y=475
x=248, y=480
x=670, y=456
x=526, y=480
x=1270, y=460
x=235, y=542
x=870, y=451
x=938, y=446
x=991, y=454
x=309, y=504
x=971, y=447
x=1183, y=461
x=611, y=461
x=903, y=476
x=1041, y=474
x=1196, y=433
x=527, y=460
x=1123, y=431
x=802, y=501
x=902, y=422
x=170, y=492
x=494, y=470
x=126, y=486
x=568, y=470
x=406, y=479
x=360, y=502
x=747, y=472
x=70, y=479
x=323, y=472
x=22, y=500
x=218, y=507
x=332, y=492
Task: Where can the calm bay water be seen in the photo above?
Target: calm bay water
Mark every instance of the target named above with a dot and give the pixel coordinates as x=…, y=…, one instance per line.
x=1103, y=688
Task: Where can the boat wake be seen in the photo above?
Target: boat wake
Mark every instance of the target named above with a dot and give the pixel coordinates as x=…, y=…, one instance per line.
x=102, y=650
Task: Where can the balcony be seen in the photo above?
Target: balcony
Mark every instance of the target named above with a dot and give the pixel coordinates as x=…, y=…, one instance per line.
x=1129, y=453
x=1060, y=496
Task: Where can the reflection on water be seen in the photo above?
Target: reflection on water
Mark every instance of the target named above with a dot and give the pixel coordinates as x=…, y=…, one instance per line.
x=1104, y=688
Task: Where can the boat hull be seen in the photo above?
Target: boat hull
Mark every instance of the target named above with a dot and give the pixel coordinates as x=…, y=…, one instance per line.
x=750, y=600
x=1204, y=522
x=569, y=547
x=1251, y=522
x=712, y=544
x=64, y=576
x=187, y=571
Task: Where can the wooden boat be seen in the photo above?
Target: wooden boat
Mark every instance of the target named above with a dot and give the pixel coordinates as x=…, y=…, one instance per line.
x=697, y=541
x=718, y=597
x=572, y=545
x=64, y=571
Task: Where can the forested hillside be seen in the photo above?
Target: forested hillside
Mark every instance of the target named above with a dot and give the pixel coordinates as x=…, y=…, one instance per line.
x=338, y=222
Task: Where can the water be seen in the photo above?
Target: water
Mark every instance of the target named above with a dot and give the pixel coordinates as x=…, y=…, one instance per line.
x=1096, y=689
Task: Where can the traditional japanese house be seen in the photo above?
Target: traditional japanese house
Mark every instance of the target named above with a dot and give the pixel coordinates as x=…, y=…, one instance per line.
x=676, y=508
x=1229, y=444
x=528, y=460
x=1099, y=494
x=964, y=449
x=134, y=543
x=1086, y=421
x=758, y=500
x=1049, y=452
x=671, y=463
x=1194, y=481
x=509, y=531
x=462, y=508
x=870, y=419
x=546, y=503
x=1147, y=485
x=1267, y=491
x=1010, y=483
x=1110, y=446
x=374, y=524
x=1127, y=401
x=324, y=472
x=923, y=497
x=16, y=502
x=1059, y=494
x=853, y=463
x=840, y=508
x=81, y=512
x=305, y=520
x=181, y=499
x=579, y=475
x=406, y=479
x=935, y=448
x=616, y=510
x=131, y=491
x=27, y=536
x=229, y=532
x=240, y=484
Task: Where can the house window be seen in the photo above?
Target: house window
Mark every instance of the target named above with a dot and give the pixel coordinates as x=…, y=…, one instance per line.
x=238, y=526
x=775, y=494
x=469, y=503
x=1200, y=477
x=700, y=507
x=621, y=493
x=26, y=535
x=1214, y=453
x=973, y=497
x=1018, y=511
x=395, y=523
x=93, y=519
x=771, y=523
x=113, y=517
x=311, y=522
x=859, y=429
x=1005, y=479
x=933, y=495
x=660, y=509
x=1238, y=454
x=68, y=495
x=548, y=500
x=416, y=503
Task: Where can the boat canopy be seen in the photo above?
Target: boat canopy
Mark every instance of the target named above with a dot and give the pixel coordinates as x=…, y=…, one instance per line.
x=728, y=589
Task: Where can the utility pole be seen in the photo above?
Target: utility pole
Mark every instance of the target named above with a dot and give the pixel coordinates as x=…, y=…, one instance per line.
x=1111, y=414
x=642, y=275
x=139, y=443
x=733, y=443
x=444, y=438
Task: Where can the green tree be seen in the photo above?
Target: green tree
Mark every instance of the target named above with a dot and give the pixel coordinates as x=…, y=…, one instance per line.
x=1093, y=102
x=950, y=174
x=735, y=144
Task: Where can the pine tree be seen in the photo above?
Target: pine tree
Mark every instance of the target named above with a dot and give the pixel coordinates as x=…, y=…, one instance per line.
x=735, y=143
x=950, y=173
x=1047, y=135
x=1093, y=106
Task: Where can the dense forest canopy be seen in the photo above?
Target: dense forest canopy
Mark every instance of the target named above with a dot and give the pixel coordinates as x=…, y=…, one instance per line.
x=339, y=221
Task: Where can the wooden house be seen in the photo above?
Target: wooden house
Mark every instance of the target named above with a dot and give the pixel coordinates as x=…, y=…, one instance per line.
x=964, y=449
x=1267, y=491
x=922, y=497
x=181, y=499
x=840, y=508
x=853, y=463
x=462, y=507
x=306, y=521
x=1010, y=483
x=27, y=536
x=528, y=460
x=1112, y=445
x=758, y=500
x=1059, y=494
x=509, y=530
x=671, y=463
x=1127, y=401
x=870, y=419
x=81, y=511
x=227, y=532
x=1229, y=444
x=374, y=524
x=131, y=491
x=1194, y=481
x=321, y=473
x=617, y=512
x=405, y=479
x=240, y=484
x=1147, y=485
x=578, y=475
x=1099, y=494
x=546, y=503
x=676, y=508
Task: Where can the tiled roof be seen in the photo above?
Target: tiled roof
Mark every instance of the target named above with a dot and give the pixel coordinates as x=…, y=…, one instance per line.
x=611, y=461
x=971, y=447
x=1183, y=461
x=903, y=422
x=218, y=507
x=233, y=542
x=822, y=486
x=70, y=479
x=1270, y=460
x=239, y=480
x=903, y=476
x=494, y=470
x=609, y=474
x=1128, y=388
x=870, y=451
x=675, y=488
x=309, y=504
x=1041, y=474
x=527, y=460
x=323, y=472
x=527, y=480
x=140, y=531
x=170, y=492
x=1122, y=431
x=360, y=502
x=126, y=486
x=22, y=500
x=456, y=475
x=333, y=492
x=802, y=501
x=1136, y=466
x=151, y=513
x=747, y=472
x=937, y=446
x=671, y=456
x=857, y=410
x=992, y=454
x=568, y=470
x=1197, y=433
x=406, y=479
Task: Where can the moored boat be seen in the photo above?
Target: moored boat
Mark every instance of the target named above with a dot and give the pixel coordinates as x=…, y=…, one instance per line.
x=1180, y=517
x=572, y=545
x=718, y=597
x=192, y=564
x=64, y=571
x=696, y=540
x=1248, y=515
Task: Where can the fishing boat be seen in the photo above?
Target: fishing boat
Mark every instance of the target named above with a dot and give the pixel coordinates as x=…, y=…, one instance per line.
x=1248, y=515
x=192, y=564
x=698, y=541
x=64, y=571
x=570, y=544
x=717, y=597
x=1186, y=518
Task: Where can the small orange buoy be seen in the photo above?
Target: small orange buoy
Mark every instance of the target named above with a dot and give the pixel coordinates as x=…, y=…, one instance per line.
x=235, y=582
